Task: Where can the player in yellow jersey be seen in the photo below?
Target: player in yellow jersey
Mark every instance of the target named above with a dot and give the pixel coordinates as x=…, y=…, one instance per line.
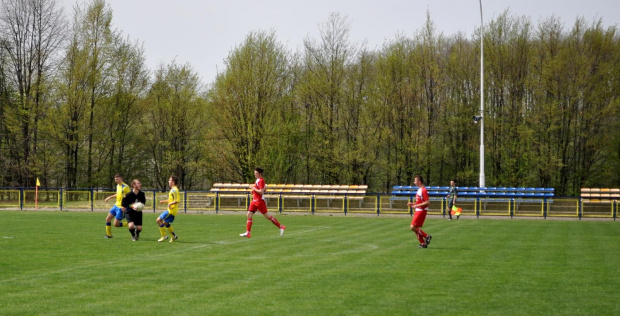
x=116, y=211
x=166, y=218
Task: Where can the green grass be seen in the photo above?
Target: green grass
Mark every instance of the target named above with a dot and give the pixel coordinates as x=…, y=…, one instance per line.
x=58, y=263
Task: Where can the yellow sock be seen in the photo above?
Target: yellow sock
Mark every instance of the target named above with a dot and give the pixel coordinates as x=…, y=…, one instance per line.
x=108, y=230
x=162, y=230
x=171, y=230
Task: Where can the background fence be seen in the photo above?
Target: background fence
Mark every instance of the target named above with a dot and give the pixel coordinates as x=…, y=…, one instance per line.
x=376, y=204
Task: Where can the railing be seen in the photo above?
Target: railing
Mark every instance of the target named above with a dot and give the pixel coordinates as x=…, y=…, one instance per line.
x=376, y=204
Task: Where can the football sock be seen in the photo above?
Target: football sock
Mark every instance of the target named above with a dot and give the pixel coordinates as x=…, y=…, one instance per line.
x=274, y=221
x=171, y=230
x=162, y=230
x=138, y=232
x=132, y=232
x=423, y=233
x=108, y=229
x=248, y=225
x=420, y=238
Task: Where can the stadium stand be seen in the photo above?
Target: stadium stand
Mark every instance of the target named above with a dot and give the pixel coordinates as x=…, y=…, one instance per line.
x=351, y=191
x=600, y=195
x=487, y=192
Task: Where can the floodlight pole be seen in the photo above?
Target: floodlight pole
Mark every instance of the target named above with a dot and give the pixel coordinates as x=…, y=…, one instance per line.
x=482, y=184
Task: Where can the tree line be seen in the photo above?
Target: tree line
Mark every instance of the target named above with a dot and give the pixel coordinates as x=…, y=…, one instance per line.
x=78, y=104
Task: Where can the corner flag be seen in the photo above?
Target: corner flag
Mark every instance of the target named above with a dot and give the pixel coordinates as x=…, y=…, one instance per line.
x=36, y=195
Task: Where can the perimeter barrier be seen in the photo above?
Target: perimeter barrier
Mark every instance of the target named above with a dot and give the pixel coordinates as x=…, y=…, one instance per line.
x=85, y=199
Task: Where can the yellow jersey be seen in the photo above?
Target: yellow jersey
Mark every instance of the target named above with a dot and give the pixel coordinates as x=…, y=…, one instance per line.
x=174, y=196
x=121, y=190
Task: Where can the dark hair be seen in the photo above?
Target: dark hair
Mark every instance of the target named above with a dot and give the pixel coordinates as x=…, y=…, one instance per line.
x=419, y=177
x=175, y=179
x=118, y=175
x=259, y=169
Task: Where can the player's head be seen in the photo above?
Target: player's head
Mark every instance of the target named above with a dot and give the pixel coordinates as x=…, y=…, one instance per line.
x=258, y=172
x=452, y=182
x=173, y=181
x=135, y=183
x=418, y=180
x=118, y=178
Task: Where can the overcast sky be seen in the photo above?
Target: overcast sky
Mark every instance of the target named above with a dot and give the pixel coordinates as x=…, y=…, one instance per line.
x=203, y=32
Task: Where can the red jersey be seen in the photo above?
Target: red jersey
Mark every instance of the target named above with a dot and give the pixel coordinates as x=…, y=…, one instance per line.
x=420, y=197
x=259, y=185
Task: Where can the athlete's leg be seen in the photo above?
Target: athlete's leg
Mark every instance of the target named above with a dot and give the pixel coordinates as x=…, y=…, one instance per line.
x=418, y=234
x=162, y=229
x=108, y=225
x=118, y=222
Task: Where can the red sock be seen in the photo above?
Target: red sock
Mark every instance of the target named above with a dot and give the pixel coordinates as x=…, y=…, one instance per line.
x=248, y=225
x=274, y=221
x=420, y=238
x=423, y=233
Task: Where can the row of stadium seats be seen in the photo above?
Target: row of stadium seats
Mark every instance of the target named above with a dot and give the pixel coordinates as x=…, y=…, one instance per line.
x=600, y=195
x=499, y=192
x=294, y=189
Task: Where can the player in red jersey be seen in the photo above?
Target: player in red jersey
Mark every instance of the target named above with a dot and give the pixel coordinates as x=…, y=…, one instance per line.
x=421, y=203
x=258, y=204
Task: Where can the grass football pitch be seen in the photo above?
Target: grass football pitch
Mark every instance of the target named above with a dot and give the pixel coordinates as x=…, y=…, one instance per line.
x=58, y=263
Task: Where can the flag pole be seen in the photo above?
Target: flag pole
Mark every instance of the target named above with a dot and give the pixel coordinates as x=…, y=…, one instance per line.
x=36, y=195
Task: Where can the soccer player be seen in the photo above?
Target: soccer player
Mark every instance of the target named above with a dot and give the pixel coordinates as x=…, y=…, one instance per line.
x=258, y=204
x=421, y=203
x=452, y=198
x=166, y=218
x=134, y=216
x=116, y=211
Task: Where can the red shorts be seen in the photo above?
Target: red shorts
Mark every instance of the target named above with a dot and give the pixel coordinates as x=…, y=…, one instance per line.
x=258, y=205
x=418, y=218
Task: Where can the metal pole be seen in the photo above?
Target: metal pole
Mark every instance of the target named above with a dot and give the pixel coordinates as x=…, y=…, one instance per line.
x=482, y=184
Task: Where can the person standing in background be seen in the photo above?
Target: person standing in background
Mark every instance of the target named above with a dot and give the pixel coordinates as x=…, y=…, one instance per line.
x=451, y=197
